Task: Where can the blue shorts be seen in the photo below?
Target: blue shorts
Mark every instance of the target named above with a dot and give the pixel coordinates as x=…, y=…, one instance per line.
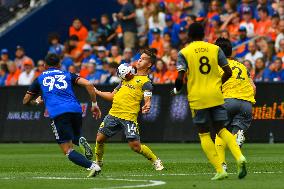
x=209, y=115
x=112, y=125
x=67, y=127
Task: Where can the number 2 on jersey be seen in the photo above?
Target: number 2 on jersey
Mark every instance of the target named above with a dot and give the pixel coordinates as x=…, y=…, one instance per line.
x=239, y=73
x=58, y=81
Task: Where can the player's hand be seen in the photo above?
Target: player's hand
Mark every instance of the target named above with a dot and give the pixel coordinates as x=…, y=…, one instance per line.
x=96, y=111
x=146, y=108
x=39, y=100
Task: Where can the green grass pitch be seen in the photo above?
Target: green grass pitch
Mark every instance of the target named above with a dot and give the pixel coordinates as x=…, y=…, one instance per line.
x=43, y=166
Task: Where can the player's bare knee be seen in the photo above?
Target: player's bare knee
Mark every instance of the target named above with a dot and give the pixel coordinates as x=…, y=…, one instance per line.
x=135, y=146
x=101, y=138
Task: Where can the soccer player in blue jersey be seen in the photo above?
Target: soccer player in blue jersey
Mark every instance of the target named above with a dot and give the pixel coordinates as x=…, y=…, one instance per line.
x=64, y=109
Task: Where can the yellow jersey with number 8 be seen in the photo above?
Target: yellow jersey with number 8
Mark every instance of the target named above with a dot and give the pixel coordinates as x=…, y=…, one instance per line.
x=204, y=80
x=238, y=86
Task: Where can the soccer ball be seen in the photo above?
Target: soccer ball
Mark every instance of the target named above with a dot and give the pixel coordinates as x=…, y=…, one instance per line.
x=125, y=72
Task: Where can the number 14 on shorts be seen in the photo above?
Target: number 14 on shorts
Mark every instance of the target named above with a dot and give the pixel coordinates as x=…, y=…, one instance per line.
x=131, y=128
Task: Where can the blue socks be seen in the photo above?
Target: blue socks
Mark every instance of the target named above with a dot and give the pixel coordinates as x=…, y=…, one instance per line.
x=79, y=159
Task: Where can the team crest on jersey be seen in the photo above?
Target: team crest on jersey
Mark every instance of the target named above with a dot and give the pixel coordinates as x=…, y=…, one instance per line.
x=138, y=80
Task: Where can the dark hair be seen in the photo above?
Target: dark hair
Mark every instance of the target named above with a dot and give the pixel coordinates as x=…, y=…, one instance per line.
x=196, y=31
x=151, y=54
x=53, y=36
x=105, y=15
x=52, y=60
x=225, y=45
x=113, y=65
x=4, y=67
x=263, y=9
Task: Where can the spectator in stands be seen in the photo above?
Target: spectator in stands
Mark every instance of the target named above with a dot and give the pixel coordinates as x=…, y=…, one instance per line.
x=20, y=57
x=107, y=30
x=40, y=68
x=275, y=71
x=66, y=63
x=167, y=52
x=27, y=76
x=55, y=46
x=13, y=76
x=214, y=9
x=263, y=3
x=3, y=74
x=74, y=48
x=101, y=58
x=72, y=69
x=5, y=57
x=112, y=77
x=274, y=30
x=183, y=37
x=214, y=29
x=230, y=8
x=78, y=29
x=94, y=76
x=248, y=22
x=157, y=42
x=140, y=18
x=266, y=49
x=127, y=55
x=157, y=18
x=127, y=17
x=115, y=57
x=94, y=34
x=264, y=23
x=174, y=55
x=172, y=73
x=225, y=34
x=88, y=56
x=253, y=54
x=242, y=49
x=159, y=74
x=280, y=54
x=173, y=29
x=249, y=67
x=232, y=24
x=259, y=69
x=280, y=35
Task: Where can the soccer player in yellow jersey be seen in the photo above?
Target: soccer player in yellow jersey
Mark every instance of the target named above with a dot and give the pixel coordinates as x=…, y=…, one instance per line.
x=200, y=61
x=239, y=92
x=126, y=99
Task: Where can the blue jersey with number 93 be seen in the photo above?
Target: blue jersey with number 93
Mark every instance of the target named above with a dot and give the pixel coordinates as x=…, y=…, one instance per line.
x=57, y=91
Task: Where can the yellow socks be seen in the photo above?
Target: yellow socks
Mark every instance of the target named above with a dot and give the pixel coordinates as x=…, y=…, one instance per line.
x=147, y=153
x=230, y=140
x=100, y=148
x=210, y=151
x=220, y=146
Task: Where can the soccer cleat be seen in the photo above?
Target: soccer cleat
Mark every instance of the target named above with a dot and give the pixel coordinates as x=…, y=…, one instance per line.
x=225, y=167
x=86, y=148
x=100, y=163
x=94, y=170
x=240, y=137
x=220, y=176
x=242, y=171
x=158, y=165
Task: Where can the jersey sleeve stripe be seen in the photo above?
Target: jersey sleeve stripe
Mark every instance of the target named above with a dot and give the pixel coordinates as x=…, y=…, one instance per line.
x=77, y=79
x=31, y=93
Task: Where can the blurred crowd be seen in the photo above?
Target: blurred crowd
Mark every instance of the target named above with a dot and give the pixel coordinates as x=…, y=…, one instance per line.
x=255, y=28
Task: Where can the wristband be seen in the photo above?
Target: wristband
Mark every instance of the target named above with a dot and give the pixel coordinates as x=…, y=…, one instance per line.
x=37, y=102
x=94, y=103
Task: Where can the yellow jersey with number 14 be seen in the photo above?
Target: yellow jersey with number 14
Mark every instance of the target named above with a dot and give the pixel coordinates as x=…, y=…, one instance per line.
x=238, y=86
x=204, y=80
x=127, y=99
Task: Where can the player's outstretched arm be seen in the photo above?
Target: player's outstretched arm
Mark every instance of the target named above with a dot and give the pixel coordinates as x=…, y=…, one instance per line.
x=105, y=95
x=33, y=91
x=90, y=88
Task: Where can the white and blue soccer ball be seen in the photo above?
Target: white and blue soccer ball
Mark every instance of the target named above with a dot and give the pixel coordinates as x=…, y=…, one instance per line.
x=124, y=71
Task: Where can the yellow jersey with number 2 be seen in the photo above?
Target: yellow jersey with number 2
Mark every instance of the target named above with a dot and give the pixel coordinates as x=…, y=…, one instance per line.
x=127, y=99
x=238, y=86
x=204, y=80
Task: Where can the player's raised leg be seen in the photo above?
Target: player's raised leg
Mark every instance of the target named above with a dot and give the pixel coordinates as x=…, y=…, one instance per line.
x=144, y=150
